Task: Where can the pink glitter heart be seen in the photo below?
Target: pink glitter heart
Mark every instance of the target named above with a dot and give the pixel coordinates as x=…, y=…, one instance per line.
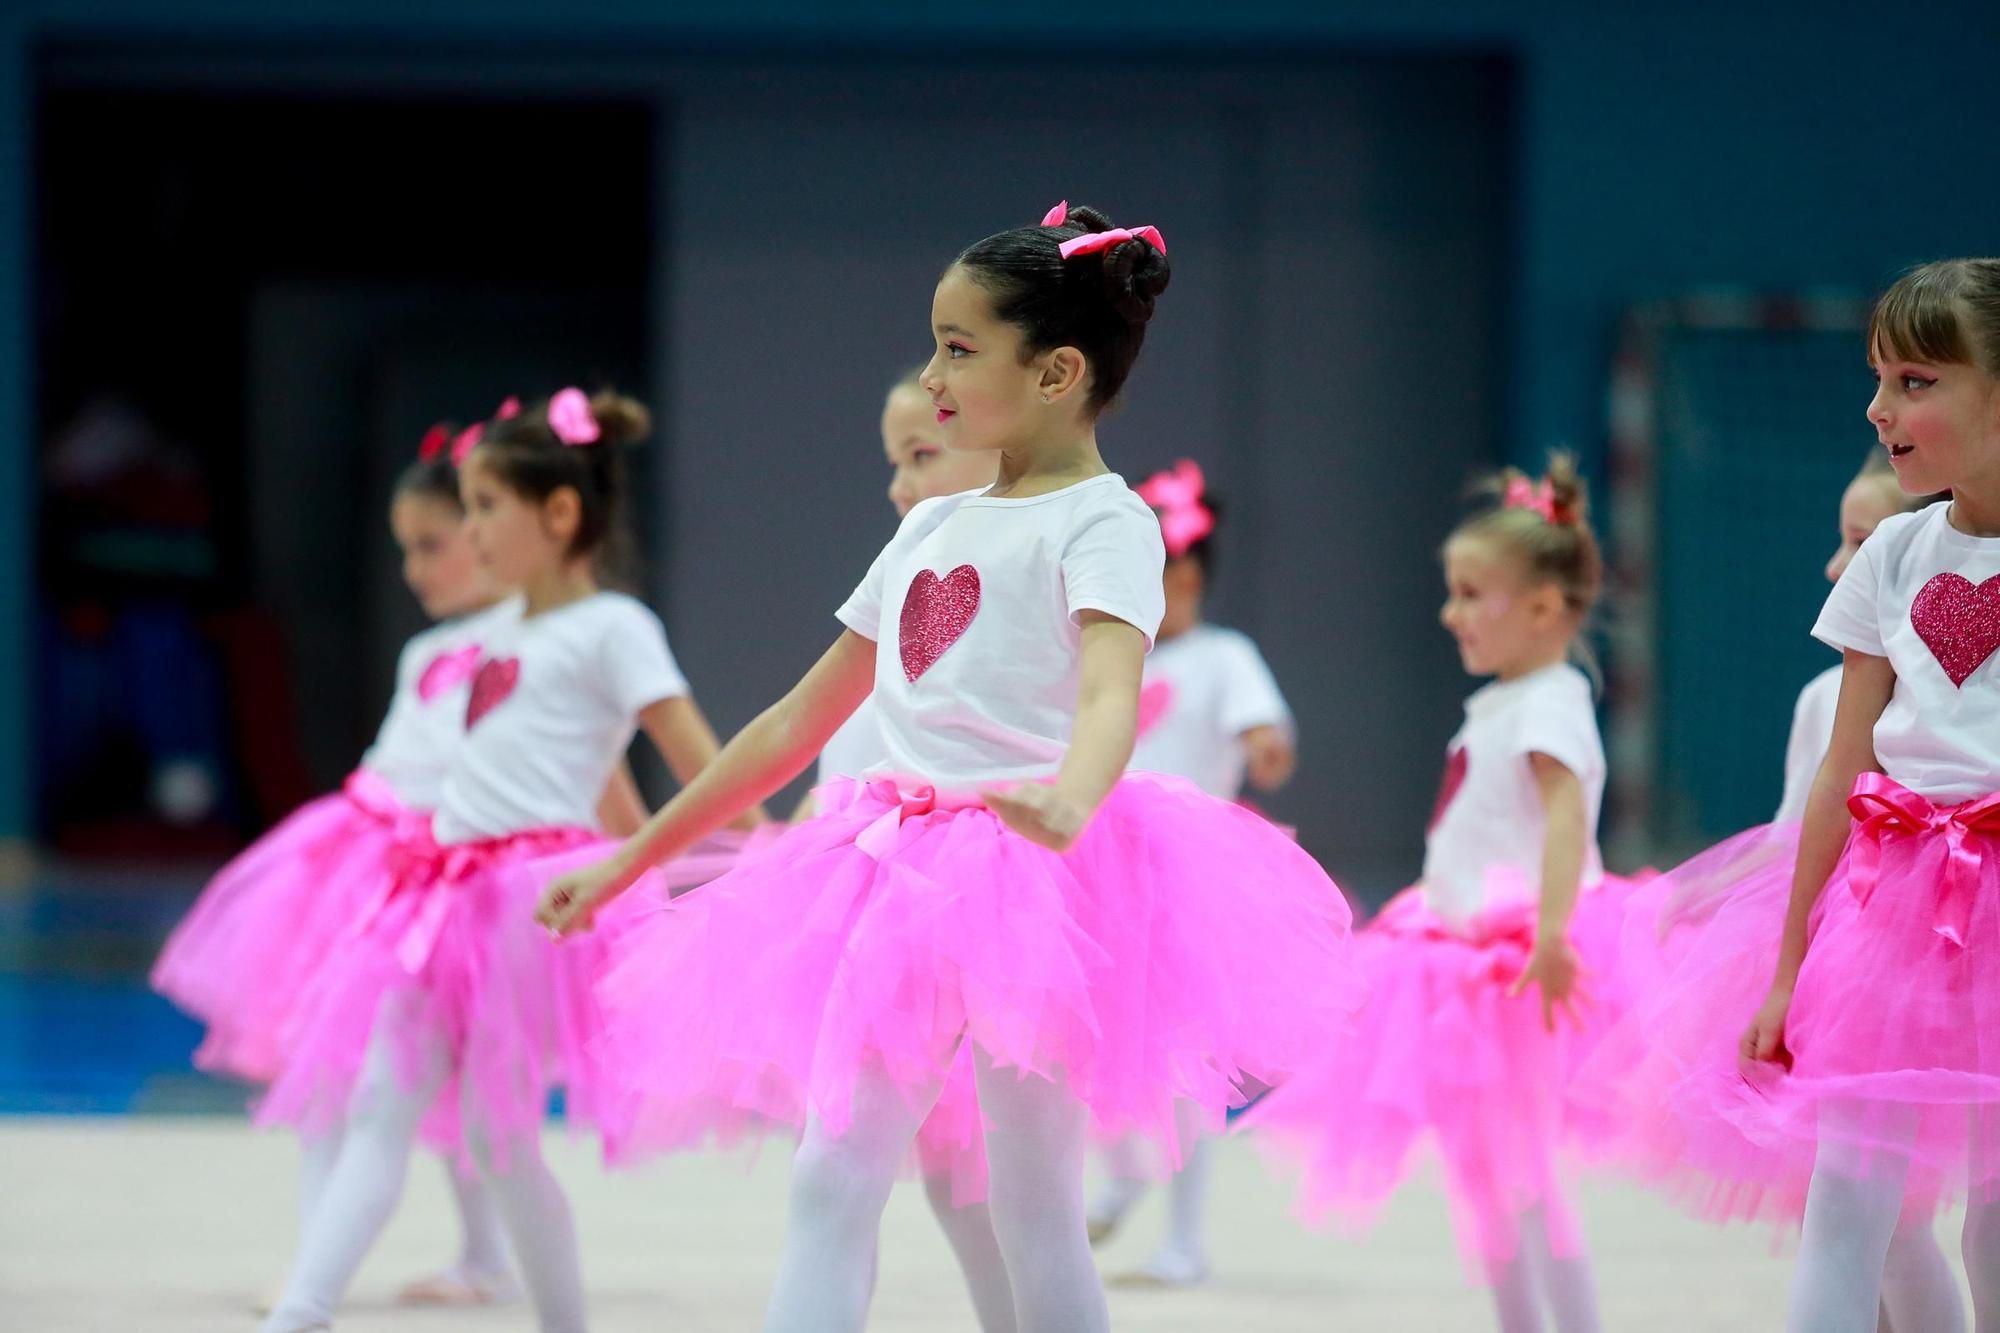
x=494, y=681
x=1958, y=622
x=446, y=671
x=1154, y=701
x=936, y=611
x=1455, y=765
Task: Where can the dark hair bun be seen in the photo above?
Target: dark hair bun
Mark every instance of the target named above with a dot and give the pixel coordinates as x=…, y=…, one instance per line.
x=1134, y=276
x=620, y=420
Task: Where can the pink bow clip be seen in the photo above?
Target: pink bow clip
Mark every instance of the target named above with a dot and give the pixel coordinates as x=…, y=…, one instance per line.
x=434, y=442
x=1056, y=216
x=570, y=418
x=1103, y=240
x=1176, y=495
x=469, y=438
x=1883, y=809
x=1538, y=496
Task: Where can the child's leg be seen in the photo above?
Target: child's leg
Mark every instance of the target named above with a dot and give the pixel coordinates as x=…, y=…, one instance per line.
x=970, y=1231
x=1569, y=1289
x=537, y=1217
x=1852, y=1205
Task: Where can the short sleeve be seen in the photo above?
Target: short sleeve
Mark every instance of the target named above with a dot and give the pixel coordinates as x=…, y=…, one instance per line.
x=1805, y=748
x=1849, y=620
x=1112, y=563
x=638, y=666
x=1250, y=693
x=1560, y=723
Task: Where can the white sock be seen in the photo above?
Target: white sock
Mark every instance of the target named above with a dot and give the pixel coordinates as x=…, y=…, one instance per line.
x=1035, y=1140
x=1124, y=1185
x=970, y=1232
x=483, y=1247
x=361, y=1191
x=316, y=1160
x=1919, y=1291
x=1837, y=1287
x=839, y=1186
x=1569, y=1289
x=542, y=1234
x=1184, y=1256
x=1980, y=1244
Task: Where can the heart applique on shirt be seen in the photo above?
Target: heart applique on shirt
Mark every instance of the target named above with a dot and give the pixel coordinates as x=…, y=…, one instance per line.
x=1455, y=765
x=936, y=613
x=447, y=671
x=491, y=685
x=1959, y=621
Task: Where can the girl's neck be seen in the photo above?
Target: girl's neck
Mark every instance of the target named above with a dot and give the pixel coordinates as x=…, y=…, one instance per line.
x=1048, y=464
x=1975, y=510
x=569, y=582
x=1540, y=660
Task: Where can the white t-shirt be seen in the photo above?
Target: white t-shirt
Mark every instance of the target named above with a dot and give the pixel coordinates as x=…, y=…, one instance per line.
x=1486, y=838
x=1927, y=597
x=426, y=717
x=855, y=749
x=1805, y=751
x=1209, y=686
x=551, y=711
x=974, y=609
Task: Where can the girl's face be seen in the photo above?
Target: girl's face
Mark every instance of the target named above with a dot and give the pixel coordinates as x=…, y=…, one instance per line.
x=439, y=563
x=983, y=396
x=1940, y=423
x=921, y=467
x=1500, y=619
x=1863, y=506
x=518, y=540
x=1184, y=582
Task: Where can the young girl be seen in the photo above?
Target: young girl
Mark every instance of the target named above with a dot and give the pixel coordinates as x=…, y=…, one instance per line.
x=250, y=948
x=1864, y=1089
x=436, y=984
x=1210, y=712
x=1102, y=943
x=1452, y=1044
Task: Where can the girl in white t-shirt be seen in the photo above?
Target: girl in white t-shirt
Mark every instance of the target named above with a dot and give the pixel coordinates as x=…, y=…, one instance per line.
x=1210, y=712
x=251, y=947
x=1104, y=944
x=1452, y=1046
x=442, y=985
x=1865, y=1087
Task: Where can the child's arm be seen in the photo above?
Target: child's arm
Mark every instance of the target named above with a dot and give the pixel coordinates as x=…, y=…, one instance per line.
x=1866, y=682
x=621, y=809
x=688, y=744
x=764, y=756
x=1107, y=719
x=1271, y=757
x=1553, y=964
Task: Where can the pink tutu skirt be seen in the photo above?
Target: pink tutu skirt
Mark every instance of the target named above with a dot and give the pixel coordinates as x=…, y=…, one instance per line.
x=1441, y=1053
x=1180, y=945
x=256, y=938
x=445, y=957
x=1893, y=1033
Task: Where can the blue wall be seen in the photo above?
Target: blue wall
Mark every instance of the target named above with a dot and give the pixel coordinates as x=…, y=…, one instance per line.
x=1777, y=146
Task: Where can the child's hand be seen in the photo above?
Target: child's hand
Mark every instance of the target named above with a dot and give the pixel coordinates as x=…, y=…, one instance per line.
x=1764, y=1040
x=1555, y=968
x=1039, y=813
x=572, y=900
x=1269, y=757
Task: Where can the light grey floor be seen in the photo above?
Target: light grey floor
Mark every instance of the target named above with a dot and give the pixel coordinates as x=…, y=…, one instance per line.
x=176, y=1224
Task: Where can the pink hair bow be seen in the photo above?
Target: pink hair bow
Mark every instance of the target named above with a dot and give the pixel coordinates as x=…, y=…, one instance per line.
x=434, y=442
x=570, y=418
x=469, y=438
x=1056, y=216
x=1538, y=496
x=1103, y=240
x=1176, y=494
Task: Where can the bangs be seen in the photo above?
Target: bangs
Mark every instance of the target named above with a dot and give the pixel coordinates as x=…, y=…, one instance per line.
x=1920, y=319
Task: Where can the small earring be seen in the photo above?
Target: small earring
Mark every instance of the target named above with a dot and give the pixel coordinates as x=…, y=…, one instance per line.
x=1046, y=398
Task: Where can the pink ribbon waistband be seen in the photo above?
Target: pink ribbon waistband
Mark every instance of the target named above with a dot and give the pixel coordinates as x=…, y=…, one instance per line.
x=905, y=808
x=421, y=869
x=1885, y=809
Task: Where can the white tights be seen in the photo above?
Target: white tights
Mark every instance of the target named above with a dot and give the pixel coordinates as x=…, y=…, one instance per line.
x=482, y=1250
x=1034, y=1149
x=361, y=1185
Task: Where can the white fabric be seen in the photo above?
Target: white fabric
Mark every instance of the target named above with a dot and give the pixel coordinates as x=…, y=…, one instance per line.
x=1805, y=749
x=1218, y=687
x=855, y=749
x=969, y=1230
x=998, y=703
x=1843, y=1245
x=1936, y=738
x=1919, y=1292
x=540, y=757
x=413, y=750
x=1486, y=843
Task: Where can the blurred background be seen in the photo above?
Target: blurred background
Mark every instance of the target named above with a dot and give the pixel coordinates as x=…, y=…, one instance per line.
x=251, y=252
